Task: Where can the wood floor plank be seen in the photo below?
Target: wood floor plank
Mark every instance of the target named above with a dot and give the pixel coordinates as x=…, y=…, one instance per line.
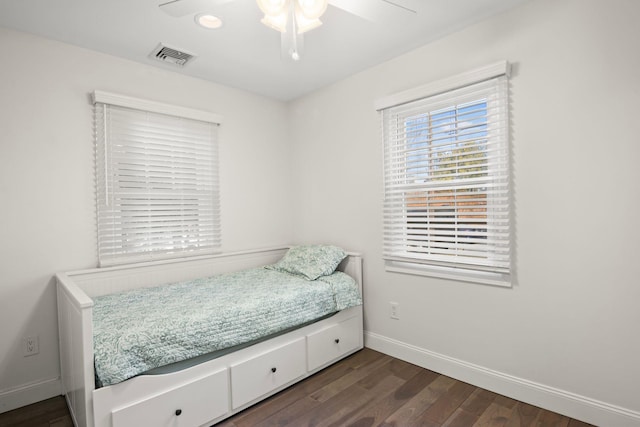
x=461, y=418
x=409, y=413
x=348, y=380
x=345, y=404
x=479, y=401
x=404, y=369
x=447, y=404
x=551, y=419
x=395, y=367
x=422, y=379
x=365, y=414
x=523, y=415
x=505, y=401
x=578, y=423
x=38, y=415
x=471, y=409
x=61, y=422
x=495, y=416
x=377, y=411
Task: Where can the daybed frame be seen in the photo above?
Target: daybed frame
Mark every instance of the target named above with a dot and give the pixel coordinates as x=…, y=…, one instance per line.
x=206, y=393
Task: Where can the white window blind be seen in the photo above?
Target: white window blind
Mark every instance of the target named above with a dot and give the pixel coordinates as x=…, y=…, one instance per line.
x=446, y=178
x=156, y=182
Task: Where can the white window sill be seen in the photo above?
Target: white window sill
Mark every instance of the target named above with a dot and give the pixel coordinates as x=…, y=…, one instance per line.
x=480, y=277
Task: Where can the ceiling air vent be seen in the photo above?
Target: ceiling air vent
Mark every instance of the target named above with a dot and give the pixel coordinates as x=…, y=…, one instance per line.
x=171, y=55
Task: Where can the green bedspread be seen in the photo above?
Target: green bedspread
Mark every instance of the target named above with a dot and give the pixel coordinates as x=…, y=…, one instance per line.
x=142, y=329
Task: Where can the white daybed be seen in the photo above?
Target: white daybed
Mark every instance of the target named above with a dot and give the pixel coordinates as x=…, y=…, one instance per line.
x=208, y=392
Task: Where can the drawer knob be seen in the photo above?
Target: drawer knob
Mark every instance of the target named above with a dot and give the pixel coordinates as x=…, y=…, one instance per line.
x=337, y=340
x=273, y=369
x=178, y=412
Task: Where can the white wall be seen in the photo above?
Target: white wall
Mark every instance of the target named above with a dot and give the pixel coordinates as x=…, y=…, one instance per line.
x=566, y=334
x=47, y=214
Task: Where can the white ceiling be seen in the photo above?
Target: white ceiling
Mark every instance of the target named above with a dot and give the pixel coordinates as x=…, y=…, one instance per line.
x=244, y=53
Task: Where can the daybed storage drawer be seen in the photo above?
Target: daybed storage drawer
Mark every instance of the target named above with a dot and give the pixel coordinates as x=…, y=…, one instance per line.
x=331, y=343
x=259, y=375
x=191, y=404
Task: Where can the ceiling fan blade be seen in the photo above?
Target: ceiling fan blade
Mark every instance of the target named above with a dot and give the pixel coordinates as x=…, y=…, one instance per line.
x=408, y=5
x=178, y=8
x=377, y=10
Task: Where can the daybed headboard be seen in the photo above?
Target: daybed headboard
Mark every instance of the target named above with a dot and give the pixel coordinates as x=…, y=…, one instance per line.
x=106, y=280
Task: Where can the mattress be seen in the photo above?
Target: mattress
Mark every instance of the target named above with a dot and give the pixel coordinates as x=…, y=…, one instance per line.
x=142, y=329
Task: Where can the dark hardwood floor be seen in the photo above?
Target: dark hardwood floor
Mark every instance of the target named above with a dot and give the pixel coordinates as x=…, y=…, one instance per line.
x=372, y=389
x=366, y=389
x=48, y=413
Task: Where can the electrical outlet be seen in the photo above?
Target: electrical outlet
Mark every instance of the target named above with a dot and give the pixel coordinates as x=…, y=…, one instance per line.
x=394, y=310
x=30, y=346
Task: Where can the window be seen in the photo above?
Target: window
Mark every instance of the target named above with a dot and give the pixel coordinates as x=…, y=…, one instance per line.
x=446, y=177
x=156, y=180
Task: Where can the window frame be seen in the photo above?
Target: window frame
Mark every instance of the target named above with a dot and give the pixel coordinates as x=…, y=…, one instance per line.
x=164, y=162
x=396, y=249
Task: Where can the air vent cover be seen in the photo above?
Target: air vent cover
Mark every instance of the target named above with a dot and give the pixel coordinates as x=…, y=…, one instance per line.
x=171, y=55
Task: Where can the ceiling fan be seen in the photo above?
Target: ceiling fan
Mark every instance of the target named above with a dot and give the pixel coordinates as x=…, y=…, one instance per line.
x=292, y=18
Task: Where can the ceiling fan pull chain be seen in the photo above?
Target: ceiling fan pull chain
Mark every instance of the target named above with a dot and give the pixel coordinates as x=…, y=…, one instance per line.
x=295, y=55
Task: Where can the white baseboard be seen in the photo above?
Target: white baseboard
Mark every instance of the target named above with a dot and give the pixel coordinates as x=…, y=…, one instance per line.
x=563, y=402
x=27, y=394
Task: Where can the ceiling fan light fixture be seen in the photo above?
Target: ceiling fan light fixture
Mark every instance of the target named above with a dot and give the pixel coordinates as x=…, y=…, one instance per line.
x=276, y=22
x=273, y=7
x=304, y=23
x=312, y=9
x=305, y=13
x=292, y=18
